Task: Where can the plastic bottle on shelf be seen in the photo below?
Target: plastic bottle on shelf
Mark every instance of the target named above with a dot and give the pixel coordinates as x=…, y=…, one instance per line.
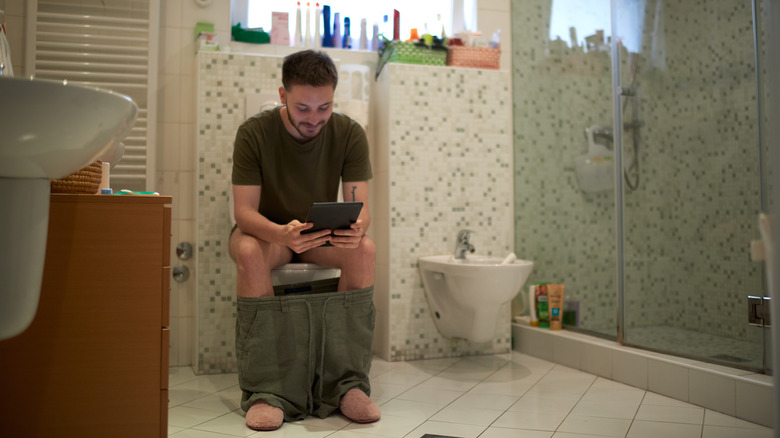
x=336, y=30
x=298, y=41
x=307, y=31
x=346, y=40
x=363, y=35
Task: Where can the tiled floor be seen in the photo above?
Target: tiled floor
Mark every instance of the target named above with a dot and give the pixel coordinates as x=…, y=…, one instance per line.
x=504, y=396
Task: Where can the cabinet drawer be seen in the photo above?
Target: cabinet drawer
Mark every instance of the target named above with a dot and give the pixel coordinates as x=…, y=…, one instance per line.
x=165, y=345
x=166, y=297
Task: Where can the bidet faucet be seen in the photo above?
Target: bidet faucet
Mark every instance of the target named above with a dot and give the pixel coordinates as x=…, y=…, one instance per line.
x=462, y=244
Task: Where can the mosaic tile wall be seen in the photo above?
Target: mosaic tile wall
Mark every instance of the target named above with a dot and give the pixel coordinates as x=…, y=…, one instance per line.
x=448, y=173
x=689, y=224
x=444, y=161
x=222, y=82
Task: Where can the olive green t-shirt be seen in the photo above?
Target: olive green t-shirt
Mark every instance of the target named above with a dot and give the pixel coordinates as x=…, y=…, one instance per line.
x=293, y=175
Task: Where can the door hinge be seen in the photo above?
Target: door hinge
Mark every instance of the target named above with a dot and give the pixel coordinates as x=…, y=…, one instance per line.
x=758, y=311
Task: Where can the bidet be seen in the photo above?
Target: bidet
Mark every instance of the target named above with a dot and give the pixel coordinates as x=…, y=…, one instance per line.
x=466, y=295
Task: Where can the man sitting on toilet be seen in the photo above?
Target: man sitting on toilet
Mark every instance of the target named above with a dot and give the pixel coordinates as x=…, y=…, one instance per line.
x=302, y=355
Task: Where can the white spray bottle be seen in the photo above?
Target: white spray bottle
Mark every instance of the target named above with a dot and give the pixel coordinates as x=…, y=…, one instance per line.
x=317, y=34
x=307, y=33
x=298, y=42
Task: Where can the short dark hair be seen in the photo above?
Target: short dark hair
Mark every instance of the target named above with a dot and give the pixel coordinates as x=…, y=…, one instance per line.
x=309, y=67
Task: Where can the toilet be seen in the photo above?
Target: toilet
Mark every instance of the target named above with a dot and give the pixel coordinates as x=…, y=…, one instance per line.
x=466, y=295
x=296, y=277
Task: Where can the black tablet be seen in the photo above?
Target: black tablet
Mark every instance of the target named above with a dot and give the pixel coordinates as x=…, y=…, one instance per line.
x=332, y=215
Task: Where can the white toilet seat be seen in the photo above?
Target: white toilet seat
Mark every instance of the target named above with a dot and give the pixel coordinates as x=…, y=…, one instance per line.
x=293, y=273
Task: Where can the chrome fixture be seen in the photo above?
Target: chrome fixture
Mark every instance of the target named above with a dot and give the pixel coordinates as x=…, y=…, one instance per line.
x=462, y=244
x=758, y=311
x=184, y=251
x=181, y=273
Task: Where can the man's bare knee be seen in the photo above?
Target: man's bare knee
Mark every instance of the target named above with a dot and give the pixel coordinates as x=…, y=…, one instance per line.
x=367, y=250
x=244, y=249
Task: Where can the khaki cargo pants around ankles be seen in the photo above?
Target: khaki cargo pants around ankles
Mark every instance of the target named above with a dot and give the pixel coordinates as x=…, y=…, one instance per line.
x=301, y=353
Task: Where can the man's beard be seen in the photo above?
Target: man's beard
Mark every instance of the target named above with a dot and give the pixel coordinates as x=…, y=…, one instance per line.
x=302, y=133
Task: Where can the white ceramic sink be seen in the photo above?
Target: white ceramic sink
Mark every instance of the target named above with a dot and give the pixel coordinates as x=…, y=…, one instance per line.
x=48, y=130
x=52, y=129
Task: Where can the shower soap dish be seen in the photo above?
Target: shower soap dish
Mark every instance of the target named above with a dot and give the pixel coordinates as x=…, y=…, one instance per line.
x=595, y=170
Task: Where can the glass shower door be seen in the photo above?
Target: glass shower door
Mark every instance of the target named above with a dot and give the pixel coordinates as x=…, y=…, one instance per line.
x=561, y=97
x=691, y=178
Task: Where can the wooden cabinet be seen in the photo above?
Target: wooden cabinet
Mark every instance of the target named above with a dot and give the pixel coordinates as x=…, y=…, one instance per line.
x=94, y=361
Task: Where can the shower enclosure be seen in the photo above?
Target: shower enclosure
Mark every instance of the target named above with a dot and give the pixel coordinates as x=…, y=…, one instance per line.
x=660, y=258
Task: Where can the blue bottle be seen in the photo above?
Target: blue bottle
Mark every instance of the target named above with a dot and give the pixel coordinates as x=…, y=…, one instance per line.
x=327, y=37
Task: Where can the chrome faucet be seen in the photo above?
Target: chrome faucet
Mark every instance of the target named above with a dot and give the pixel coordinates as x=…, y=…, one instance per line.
x=462, y=244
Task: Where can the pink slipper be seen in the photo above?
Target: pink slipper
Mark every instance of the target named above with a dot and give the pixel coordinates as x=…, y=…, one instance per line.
x=262, y=416
x=356, y=406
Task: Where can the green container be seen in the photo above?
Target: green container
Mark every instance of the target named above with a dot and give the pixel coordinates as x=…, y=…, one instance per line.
x=409, y=53
x=414, y=53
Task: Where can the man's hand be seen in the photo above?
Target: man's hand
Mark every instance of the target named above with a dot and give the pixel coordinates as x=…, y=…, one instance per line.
x=348, y=238
x=303, y=242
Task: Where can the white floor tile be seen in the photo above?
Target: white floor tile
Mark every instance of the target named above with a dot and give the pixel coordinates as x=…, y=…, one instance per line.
x=652, y=398
x=380, y=366
x=731, y=432
x=447, y=429
x=549, y=405
x=467, y=374
x=232, y=423
x=435, y=365
x=530, y=362
x=612, y=427
x=577, y=435
x=515, y=389
x=410, y=409
x=386, y=391
x=530, y=420
x=655, y=429
x=671, y=414
x=223, y=402
x=388, y=426
x=606, y=409
x=403, y=376
x=713, y=418
x=606, y=390
x=211, y=382
x=515, y=374
x=179, y=375
x=500, y=432
x=350, y=434
x=485, y=401
x=472, y=415
x=181, y=416
x=194, y=433
x=439, y=397
x=498, y=396
x=333, y=423
x=439, y=382
x=177, y=396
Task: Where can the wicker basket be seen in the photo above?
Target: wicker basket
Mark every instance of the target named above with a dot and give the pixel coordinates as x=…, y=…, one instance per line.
x=86, y=181
x=474, y=57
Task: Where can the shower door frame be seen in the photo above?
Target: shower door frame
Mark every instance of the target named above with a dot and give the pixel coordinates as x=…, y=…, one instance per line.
x=617, y=93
